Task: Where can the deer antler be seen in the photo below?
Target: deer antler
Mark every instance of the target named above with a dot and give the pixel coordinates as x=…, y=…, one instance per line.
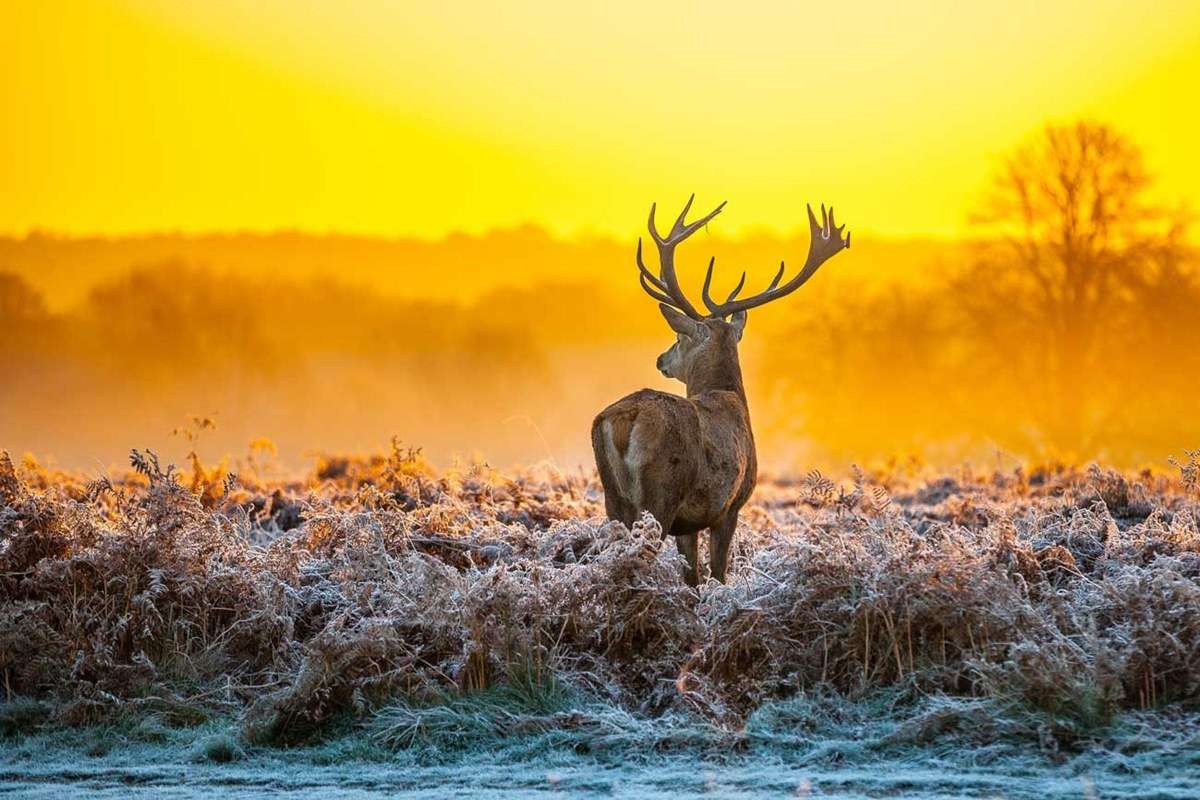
x=664, y=287
x=825, y=241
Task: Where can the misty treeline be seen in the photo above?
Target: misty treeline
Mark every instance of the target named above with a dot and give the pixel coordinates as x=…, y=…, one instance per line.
x=310, y=365
x=1070, y=327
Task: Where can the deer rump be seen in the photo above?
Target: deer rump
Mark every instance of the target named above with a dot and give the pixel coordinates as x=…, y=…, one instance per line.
x=666, y=455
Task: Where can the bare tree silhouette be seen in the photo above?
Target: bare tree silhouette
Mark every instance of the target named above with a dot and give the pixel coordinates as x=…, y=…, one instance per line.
x=18, y=300
x=1069, y=241
x=23, y=316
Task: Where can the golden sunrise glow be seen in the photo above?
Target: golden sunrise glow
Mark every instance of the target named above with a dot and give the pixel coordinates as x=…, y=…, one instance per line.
x=328, y=222
x=425, y=118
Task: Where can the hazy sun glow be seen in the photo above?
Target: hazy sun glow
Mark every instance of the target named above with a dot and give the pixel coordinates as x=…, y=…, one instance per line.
x=327, y=222
x=424, y=118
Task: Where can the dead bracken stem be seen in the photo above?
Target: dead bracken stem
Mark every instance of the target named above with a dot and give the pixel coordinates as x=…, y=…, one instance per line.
x=380, y=580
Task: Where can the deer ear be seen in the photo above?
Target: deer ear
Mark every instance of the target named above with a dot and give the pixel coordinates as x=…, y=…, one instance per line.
x=738, y=323
x=679, y=322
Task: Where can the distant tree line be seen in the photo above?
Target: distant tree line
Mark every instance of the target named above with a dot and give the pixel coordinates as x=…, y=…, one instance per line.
x=1069, y=328
x=1072, y=330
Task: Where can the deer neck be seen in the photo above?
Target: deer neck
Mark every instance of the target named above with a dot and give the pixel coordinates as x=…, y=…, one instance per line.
x=722, y=374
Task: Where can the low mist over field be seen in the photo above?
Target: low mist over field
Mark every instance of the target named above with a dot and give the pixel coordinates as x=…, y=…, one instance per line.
x=504, y=346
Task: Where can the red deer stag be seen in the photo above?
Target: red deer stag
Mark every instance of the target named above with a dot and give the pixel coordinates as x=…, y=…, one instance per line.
x=690, y=462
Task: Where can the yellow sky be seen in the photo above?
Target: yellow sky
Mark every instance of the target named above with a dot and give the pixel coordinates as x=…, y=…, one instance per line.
x=422, y=118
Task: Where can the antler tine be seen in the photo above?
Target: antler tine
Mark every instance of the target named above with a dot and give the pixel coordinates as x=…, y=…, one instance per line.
x=664, y=287
x=778, y=276
x=654, y=230
x=679, y=221
x=645, y=271
x=713, y=306
x=738, y=288
x=689, y=229
x=704, y=295
x=825, y=241
x=657, y=295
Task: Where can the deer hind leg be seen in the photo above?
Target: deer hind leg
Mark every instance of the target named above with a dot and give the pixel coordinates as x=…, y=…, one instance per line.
x=663, y=505
x=613, y=477
x=689, y=546
x=720, y=537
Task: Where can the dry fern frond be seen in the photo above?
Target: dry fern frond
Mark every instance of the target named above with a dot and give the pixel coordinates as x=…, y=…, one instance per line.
x=380, y=578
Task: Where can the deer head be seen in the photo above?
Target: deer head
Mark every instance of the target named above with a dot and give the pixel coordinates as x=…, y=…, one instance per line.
x=705, y=351
x=702, y=347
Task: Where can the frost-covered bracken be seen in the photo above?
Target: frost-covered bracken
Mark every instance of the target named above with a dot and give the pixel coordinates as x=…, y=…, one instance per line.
x=377, y=581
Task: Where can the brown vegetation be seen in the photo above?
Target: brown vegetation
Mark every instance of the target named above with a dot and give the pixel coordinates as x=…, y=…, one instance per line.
x=293, y=602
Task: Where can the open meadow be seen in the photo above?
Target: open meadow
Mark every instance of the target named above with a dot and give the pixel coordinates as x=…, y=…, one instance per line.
x=979, y=632
x=515, y=416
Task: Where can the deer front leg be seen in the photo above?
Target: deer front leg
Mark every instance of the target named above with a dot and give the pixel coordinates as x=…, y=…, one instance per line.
x=689, y=545
x=720, y=537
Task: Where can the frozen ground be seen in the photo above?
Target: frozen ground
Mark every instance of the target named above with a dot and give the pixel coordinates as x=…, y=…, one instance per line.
x=130, y=777
x=927, y=751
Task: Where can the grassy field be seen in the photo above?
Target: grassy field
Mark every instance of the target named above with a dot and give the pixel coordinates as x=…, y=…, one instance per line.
x=378, y=626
